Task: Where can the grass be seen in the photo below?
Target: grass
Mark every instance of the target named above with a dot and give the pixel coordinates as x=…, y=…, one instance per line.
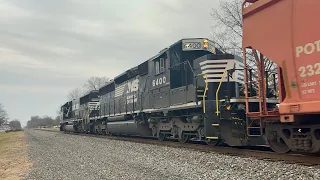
x=54, y=129
x=49, y=129
x=14, y=163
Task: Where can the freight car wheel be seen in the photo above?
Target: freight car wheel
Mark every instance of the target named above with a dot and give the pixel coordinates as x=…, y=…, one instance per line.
x=277, y=144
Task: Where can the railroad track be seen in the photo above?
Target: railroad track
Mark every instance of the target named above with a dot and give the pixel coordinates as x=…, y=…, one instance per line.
x=263, y=153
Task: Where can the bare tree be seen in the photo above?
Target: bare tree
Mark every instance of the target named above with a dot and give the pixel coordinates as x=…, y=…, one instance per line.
x=227, y=36
x=57, y=120
x=94, y=83
x=227, y=31
x=3, y=115
x=58, y=116
x=75, y=94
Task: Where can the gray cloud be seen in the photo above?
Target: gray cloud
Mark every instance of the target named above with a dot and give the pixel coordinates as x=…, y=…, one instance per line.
x=49, y=47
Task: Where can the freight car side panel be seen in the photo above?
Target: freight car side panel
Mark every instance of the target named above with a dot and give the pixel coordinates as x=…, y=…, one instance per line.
x=306, y=29
x=287, y=32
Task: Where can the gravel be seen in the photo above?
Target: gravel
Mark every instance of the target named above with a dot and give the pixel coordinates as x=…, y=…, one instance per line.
x=62, y=156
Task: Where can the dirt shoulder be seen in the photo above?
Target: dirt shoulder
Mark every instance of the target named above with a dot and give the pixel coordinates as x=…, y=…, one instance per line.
x=14, y=163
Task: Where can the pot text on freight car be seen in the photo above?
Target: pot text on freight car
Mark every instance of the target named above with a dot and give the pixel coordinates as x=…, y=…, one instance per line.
x=308, y=48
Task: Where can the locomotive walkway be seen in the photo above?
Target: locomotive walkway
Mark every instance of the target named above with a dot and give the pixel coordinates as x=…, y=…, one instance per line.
x=62, y=156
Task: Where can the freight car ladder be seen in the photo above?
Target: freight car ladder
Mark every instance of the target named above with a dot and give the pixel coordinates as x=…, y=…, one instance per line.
x=255, y=120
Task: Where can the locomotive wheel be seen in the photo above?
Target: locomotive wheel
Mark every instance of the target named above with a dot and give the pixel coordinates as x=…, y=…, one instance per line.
x=162, y=136
x=184, y=138
x=277, y=145
x=213, y=142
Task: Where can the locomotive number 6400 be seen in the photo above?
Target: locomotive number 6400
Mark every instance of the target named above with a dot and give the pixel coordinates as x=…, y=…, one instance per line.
x=159, y=81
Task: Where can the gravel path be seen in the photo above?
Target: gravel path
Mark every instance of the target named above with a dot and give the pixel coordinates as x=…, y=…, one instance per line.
x=62, y=156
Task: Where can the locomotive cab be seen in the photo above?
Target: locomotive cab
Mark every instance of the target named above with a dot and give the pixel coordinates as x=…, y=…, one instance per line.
x=76, y=113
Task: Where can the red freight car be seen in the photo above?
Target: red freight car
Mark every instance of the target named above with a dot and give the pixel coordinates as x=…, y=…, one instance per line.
x=287, y=32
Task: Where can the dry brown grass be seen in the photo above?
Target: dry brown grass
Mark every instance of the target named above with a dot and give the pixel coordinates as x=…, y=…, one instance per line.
x=14, y=163
x=49, y=129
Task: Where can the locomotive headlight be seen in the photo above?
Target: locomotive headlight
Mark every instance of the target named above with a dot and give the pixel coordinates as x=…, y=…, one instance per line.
x=205, y=44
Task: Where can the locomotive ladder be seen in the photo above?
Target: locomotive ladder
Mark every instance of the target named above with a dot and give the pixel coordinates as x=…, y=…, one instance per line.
x=216, y=125
x=202, y=93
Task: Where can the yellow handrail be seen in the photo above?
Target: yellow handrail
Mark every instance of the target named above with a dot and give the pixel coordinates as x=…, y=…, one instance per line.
x=205, y=92
x=217, y=92
x=89, y=111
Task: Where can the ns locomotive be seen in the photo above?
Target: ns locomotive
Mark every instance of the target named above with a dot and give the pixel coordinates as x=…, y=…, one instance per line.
x=188, y=91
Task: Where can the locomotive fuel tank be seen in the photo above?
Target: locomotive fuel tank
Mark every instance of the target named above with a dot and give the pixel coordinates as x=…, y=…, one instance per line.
x=69, y=128
x=119, y=118
x=130, y=127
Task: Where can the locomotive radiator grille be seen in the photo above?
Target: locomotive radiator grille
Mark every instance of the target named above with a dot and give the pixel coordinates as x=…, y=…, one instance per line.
x=214, y=69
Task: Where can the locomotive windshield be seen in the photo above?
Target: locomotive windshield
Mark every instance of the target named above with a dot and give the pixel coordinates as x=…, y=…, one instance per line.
x=182, y=55
x=94, y=96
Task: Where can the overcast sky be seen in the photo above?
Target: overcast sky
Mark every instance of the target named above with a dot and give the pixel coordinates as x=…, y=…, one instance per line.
x=49, y=47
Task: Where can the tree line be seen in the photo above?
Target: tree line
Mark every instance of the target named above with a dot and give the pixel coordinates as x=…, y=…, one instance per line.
x=93, y=83
x=35, y=121
x=4, y=119
x=45, y=121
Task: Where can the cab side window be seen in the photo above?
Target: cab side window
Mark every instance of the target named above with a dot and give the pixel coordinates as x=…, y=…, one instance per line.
x=175, y=60
x=157, y=66
x=160, y=64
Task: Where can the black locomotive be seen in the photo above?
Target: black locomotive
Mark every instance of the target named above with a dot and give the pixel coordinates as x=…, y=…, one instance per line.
x=190, y=90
